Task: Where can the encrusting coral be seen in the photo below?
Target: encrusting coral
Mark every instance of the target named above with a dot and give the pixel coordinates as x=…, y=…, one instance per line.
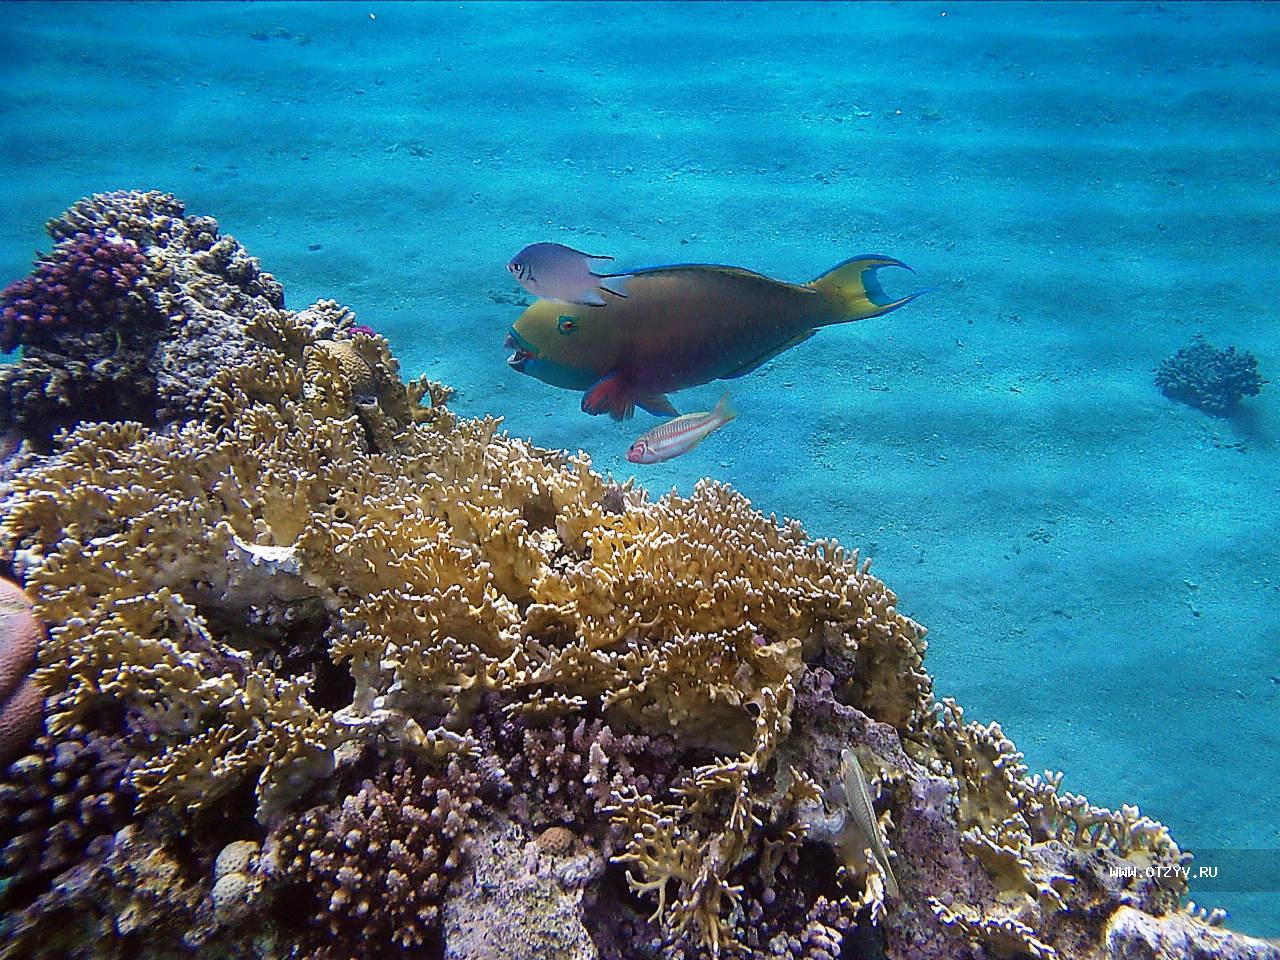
x=332, y=636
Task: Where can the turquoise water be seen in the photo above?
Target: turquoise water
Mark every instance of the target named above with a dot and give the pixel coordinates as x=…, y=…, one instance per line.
x=1084, y=187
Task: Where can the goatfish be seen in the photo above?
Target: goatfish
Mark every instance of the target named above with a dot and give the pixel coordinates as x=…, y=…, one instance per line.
x=680, y=326
x=681, y=434
x=557, y=272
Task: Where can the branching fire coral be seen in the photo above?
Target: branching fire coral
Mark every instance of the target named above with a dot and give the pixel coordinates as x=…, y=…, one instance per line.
x=309, y=602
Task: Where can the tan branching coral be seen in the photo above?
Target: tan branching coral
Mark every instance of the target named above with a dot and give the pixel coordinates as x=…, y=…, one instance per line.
x=683, y=853
x=1012, y=819
x=1004, y=936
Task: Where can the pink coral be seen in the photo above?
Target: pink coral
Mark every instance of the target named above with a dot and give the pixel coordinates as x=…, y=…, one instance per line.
x=21, y=700
x=85, y=283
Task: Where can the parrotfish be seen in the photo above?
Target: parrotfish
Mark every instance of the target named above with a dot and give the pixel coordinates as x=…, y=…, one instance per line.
x=557, y=272
x=683, y=325
x=681, y=434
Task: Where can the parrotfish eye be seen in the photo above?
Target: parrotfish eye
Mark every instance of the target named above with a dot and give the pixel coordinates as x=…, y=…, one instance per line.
x=566, y=325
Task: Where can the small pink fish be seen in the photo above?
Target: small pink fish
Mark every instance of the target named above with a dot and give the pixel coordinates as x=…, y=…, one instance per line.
x=681, y=434
x=556, y=272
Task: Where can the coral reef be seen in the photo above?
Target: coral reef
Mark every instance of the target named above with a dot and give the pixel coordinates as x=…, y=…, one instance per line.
x=21, y=699
x=333, y=672
x=129, y=318
x=1214, y=380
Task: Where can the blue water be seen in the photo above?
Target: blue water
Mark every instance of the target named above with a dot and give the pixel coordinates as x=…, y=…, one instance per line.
x=1083, y=186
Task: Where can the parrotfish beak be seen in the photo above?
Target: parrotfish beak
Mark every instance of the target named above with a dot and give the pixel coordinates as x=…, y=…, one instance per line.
x=519, y=354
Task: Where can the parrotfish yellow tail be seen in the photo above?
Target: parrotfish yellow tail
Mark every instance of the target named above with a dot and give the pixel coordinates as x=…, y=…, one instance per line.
x=852, y=291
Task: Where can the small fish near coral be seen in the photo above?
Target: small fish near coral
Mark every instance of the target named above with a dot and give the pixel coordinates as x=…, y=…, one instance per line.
x=681, y=435
x=866, y=827
x=684, y=325
x=556, y=272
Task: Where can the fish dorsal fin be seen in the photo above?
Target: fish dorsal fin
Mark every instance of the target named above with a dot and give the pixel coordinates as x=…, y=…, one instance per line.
x=715, y=269
x=614, y=283
x=752, y=365
x=589, y=256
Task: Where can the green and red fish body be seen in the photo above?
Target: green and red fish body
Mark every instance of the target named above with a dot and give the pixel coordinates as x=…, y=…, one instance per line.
x=680, y=435
x=685, y=325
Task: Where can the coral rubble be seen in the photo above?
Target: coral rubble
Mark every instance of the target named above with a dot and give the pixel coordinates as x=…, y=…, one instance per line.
x=1214, y=380
x=333, y=672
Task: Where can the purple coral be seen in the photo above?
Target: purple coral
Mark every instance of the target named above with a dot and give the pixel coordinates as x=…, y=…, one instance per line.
x=565, y=771
x=21, y=700
x=375, y=868
x=70, y=794
x=86, y=283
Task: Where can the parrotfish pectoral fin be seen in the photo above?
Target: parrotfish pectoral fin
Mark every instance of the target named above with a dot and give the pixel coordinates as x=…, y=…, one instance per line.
x=855, y=293
x=658, y=405
x=752, y=365
x=590, y=299
x=615, y=283
x=610, y=394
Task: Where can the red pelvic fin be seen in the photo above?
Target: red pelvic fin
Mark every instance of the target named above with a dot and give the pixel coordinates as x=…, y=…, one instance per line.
x=611, y=394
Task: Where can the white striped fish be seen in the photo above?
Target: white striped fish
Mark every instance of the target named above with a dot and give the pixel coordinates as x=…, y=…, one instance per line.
x=681, y=434
x=858, y=796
